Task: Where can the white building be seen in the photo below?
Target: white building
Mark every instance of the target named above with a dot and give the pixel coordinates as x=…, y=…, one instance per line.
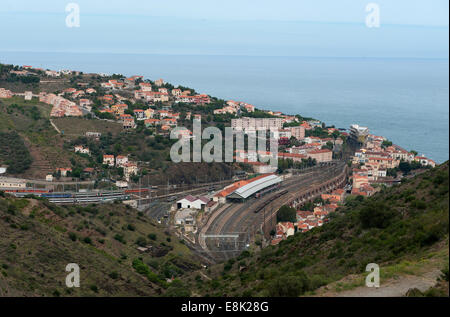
x=81, y=149
x=192, y=202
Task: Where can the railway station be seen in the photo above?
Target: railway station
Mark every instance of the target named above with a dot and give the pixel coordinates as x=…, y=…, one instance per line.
x=254, y=188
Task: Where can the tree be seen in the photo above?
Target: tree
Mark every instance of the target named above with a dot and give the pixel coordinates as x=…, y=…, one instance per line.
x=405, y=167
x=386, y=143
x=286, y=213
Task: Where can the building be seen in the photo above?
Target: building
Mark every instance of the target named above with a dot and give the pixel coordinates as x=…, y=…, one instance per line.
x=81, y=149
x=121, y=160
x=159, y=82
x=176, y=92
x=130, y=169
x=6, y=182
x=298, y=132
x=28, y=95
x=139, y=114
x=192, y=202
x=264, y=182
x=185, y=216
x=63, y=171
x=128, y=123
x=284, y=230
x=108, y=160
x=323, y=155
x=121, y=184
x=4, y=93
x=253, y=124
x=152, y=122
x=293, y=156
x=358, y=133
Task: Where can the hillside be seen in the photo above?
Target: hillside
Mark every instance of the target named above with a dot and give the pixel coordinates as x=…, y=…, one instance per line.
x=38, y=240
x=403, y=228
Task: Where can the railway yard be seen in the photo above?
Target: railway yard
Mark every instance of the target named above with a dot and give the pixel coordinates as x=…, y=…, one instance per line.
x=232, y=228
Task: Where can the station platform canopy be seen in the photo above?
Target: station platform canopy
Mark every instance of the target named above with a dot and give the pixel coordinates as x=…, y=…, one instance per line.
x=253, y=187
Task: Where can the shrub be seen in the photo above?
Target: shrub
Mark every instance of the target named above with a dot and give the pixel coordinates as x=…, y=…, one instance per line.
x=114, y=275
x=376, y=215
x=289, y=285
x=72, y=236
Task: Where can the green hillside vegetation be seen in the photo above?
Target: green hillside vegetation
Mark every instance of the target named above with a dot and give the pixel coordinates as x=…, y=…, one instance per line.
x=14, y=153
x=30, y=120
x=38, y=239
x=407, y=223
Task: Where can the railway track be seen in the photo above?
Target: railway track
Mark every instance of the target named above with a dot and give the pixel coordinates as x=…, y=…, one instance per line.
x=241, y=218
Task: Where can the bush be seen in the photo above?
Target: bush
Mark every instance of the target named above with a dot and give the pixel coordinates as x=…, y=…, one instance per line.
x=114, y=275
x=289, y=286
x=72, y=236
x=376, y=215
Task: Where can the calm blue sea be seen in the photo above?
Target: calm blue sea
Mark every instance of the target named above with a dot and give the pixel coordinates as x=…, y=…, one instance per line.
x=405, y=100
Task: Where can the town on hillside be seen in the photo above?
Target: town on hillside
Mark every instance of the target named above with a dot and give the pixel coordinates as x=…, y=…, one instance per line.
x=340, y=164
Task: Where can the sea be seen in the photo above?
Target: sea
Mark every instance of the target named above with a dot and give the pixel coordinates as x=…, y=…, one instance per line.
x=403, y=99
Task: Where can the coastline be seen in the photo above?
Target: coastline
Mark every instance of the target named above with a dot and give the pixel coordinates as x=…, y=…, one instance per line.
x=423, y=126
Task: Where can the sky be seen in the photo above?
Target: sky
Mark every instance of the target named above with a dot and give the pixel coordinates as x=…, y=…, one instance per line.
x=408, y=28
x=418, y=12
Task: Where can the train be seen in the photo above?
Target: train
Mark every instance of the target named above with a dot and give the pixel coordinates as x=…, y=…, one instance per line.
x=276, y=196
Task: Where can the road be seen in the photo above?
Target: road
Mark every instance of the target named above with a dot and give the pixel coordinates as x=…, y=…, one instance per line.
x=240, y=218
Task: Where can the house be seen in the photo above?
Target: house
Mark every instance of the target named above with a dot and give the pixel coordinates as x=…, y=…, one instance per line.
x=145, y=86
x=128, y=123
x=139, y=114
x=159, y=82
x=163, y=90
x=88, y=170
x=84, y=103
x=169, y=122
x=284, y=230
x=64, y=171
x=108, y=159
x=4, y=93
x=130, y=169
x=81, y=149
x=28, y=95
x=149, y=113
x=425, y=161
x=152, y=122
x=336, y=196
x=122, y=184
x=119, y=109
x=192, y=202
x=121, y=160
x=125, y=116
x=176, y=92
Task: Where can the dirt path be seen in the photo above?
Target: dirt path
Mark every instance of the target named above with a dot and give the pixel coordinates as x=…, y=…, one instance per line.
x=393, y=287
